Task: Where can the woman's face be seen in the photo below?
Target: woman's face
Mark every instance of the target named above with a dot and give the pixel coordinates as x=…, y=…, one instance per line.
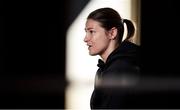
x=96, y=38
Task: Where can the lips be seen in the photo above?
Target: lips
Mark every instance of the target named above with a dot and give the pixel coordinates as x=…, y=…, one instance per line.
x=89, y=45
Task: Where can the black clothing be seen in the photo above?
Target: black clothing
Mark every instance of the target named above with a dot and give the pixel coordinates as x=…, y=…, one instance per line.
x=115, y=77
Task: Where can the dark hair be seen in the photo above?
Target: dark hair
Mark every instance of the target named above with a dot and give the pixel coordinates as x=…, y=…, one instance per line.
x=110, y=18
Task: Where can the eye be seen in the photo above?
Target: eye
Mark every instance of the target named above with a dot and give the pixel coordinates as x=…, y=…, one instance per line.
x=92, y=31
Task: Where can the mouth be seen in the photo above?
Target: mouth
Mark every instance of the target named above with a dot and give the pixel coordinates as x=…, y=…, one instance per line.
x=89, y=46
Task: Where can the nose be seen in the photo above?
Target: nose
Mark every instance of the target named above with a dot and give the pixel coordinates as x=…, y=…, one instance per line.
x=86, y=38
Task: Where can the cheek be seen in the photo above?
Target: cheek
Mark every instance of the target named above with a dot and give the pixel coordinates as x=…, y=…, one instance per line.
x=100, y=45
x=101, y=39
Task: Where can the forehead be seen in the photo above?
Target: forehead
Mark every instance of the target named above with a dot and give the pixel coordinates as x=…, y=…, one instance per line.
x=90, y=23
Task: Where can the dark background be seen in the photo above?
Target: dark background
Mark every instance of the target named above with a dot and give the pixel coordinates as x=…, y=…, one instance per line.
x=160, y=37
x=32, y=41
x=160, y=53
x=33, y=54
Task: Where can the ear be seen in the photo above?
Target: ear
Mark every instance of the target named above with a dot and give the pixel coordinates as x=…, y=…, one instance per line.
x=113, y=33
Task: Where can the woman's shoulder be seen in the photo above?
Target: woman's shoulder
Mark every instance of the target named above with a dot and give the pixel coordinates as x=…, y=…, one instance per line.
x=122, y=65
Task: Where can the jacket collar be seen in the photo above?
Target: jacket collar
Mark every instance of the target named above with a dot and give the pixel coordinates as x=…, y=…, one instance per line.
x=126, y=49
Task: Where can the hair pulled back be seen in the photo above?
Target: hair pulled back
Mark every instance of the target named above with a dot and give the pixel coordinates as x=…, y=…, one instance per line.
x=109, y=18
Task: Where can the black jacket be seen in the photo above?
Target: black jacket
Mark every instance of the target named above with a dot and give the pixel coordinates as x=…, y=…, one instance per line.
x=115, y=78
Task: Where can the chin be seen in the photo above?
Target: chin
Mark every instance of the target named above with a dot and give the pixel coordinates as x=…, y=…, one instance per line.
x=92, y=54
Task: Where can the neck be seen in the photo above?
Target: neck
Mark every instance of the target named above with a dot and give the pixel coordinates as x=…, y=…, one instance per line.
x=112, y=46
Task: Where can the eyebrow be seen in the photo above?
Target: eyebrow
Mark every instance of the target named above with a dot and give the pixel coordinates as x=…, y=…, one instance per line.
x=88, y=28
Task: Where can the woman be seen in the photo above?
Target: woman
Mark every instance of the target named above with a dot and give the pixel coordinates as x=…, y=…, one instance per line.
x=119, y=66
